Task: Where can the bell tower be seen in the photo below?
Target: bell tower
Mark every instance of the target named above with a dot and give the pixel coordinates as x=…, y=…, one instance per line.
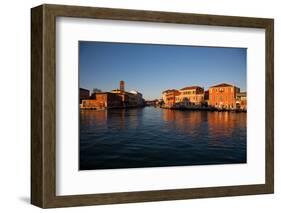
x=122, y=86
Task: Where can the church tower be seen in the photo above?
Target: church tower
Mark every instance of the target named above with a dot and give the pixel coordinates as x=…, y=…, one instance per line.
x=122, y=86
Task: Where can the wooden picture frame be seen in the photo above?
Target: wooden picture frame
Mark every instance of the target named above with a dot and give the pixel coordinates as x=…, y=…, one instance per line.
x=43, y=105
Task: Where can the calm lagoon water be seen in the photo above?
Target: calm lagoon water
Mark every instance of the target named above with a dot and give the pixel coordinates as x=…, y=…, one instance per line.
x=155, y=137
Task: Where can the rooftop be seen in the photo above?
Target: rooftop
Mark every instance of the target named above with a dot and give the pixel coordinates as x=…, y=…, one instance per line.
x=222, y=85
x=191, y=87
x=82, y=89
x=170, y=90
x=135, y=92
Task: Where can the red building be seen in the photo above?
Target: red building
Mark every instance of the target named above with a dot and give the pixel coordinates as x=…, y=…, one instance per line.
x=117, y=98
x=102, y=100
x=223, y=96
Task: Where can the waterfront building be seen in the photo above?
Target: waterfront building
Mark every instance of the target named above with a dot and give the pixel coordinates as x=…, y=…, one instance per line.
x=129, y=99
x=96, y=90
x=151, y=102
x=83, y=94
x=102, y=100
x=117, y=98
x=135, y=98
x=169, y=97
x=191, y=95
x=241, y=100
x=155, y=102
x=223, y=96
x=206, y=97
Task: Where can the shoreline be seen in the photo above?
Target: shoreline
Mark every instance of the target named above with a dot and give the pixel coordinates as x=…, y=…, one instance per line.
x=209, y=109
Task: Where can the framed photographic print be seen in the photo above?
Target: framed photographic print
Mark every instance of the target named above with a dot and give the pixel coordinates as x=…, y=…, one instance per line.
x=136, y=106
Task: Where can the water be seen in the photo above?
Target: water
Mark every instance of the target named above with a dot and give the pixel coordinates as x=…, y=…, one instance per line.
x=154, y=137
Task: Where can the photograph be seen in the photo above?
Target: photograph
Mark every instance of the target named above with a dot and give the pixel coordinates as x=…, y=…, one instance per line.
x=161, y=105
x=144, y=105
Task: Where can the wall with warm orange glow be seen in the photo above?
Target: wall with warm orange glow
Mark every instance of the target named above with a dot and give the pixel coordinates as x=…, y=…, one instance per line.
x=224, y=97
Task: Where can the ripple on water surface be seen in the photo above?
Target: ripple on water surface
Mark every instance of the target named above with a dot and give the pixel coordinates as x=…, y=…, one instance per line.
x=154, y=137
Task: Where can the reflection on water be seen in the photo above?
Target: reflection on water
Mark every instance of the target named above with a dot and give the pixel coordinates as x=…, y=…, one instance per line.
x=154, y=137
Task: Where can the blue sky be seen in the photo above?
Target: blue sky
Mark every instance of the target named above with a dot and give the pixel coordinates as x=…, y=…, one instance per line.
x=151, y=69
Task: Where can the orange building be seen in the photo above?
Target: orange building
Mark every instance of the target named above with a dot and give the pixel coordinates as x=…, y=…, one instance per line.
x=169, y=97
x=117, y=98
x=223, y=96
x=102, y=100
x=192, y=95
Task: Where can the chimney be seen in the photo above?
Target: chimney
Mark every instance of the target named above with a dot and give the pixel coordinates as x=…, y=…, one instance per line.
x=122, y=86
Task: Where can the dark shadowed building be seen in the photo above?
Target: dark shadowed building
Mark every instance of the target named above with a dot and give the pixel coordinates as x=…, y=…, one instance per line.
x=83, y=94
